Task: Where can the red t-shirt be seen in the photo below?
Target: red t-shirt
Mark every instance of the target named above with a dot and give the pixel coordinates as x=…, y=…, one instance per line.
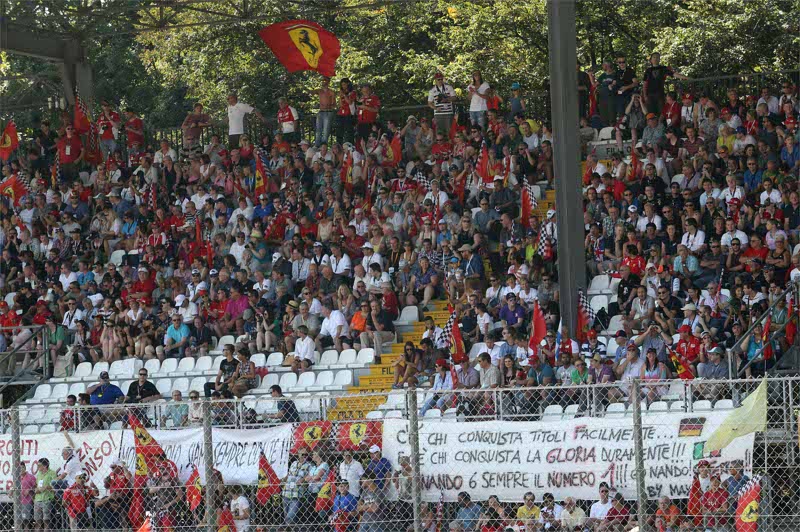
x=103, y=122
x=67, y=420
x=713, y=500
x=618, y=515
x=688, y=349
x=368, y=117
x=75, y=500
x=69, y=149
x=135, y=123
x=286, y=115
x=117, y=483
x=672, y=112
x=441, y=151
x=636, y=264
x=405, y=185
x=344, y=107
x=146, y=286
x=310, y=230
x=751, y=253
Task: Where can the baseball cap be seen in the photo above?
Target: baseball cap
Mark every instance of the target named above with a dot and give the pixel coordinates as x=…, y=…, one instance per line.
x=551, y=213
x=317, y=244
x=195, y=272
x=684, y=329
x=367, y=245
x=104, y=375
x=515, y=86
x=374, y=449
x=650, y=115
x=213, y=272
x=621, y=334
x=438, y=75
x=741, y=129
x=275, y=256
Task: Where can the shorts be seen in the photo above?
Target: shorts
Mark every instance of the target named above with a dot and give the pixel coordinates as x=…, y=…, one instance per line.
x=26, y=512
x=327, y=341
x=41, y=510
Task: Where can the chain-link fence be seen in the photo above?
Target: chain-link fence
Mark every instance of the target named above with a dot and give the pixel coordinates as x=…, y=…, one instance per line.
x=541, y=458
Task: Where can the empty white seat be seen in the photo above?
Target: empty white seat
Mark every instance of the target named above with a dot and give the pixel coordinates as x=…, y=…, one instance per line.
x=346, y=357
x=615, y=410
x=197, y=384
x=288, y=380
x=152, y=366
x=329, y=357
x=83, y=371
x=125, y=385
x=724, y=404
x=393, y=414
x=702, y=405
x=164, y=386
x=181, y=384
x=47, y=428
x=450, y=415
x=659, y=406
x=217, y=363
x=59, y=393
x=408, y=315
x=607, y=133
x=275, y=359
x=433, y=413
x=115, y=425
x=677, y=406
x=185, y=366
x=476, y=350
x=365, y=357
x=9, y=299
x=169, y=365
x=98, y=369
x=259, y=359
x=598, y=302
x=394, y=401
x=599, y=284
x=343, y=379
x=225, y=340
x=571, y=411
x=202, y=366
x=324, y=378
x=552, y=413
x=30, y=429
x=77, y=389
x=304, y=381
x=32, y=415
x=270, y=380
x=615, y=324
x=117, y=257
x=41, y=393
x=375, y=414
x=123, y=368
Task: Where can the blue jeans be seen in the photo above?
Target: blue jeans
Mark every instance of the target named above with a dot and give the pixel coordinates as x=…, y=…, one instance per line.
x=107, y=147
x=290, y=509
x=323, y=129
x=435, y=400
x=478, y=118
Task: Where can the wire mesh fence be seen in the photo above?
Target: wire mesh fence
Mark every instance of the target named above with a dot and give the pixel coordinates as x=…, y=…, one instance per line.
x=664, y=455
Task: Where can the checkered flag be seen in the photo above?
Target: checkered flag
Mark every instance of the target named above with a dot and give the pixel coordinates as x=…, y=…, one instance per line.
x=544, y=248
x=531, y=196
x=584, y=306
x=425, y=181
x=447, y=331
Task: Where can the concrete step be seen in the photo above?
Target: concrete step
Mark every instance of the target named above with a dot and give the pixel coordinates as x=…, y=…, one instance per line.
x=382, y=381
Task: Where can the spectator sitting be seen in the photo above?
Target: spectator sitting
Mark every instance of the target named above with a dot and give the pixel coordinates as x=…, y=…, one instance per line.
x=225, y=374
x=528, y=514
x=617, y=517
x=442, y=384
x=668, y=516
x=572, y=516
x=244, y=377
x=287, y=411
x=550, y=512
x=176, y=411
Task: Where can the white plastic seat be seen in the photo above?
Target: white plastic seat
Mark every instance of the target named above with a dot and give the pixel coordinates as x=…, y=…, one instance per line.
x=275, y=359
x=270, y=380
x=304, y=381
x=41, y=394
x=98, y=369
x=181, y=384
x=393, y=414
x=259, y=359
x=394, y=401
x=599, y=284
x=366, y=356
x=659, y=406
x=83, y=371
x=48, y=428
x=409, y=314
x=164, y=386
x=216, y=364
x=724, y=404
x=677, y=406
x=571, y=411
x=197, y=384
x=324, y=378
x=184, y=366
x=30, y=429
x=476, y=350
x=169, y=366
x=552, y=413
x=450, y=415
x=115, y=425
x=202, y=366
x=288, y=381
x=615, y=410
x=119, y=368
x=328, y=358
x=152, y=366
x=375, y=414
x=59, y=393
x=607, y=133
x=117, y=257
x=33, y=415
x=598, y=302
x=346, y=357
x=227, y=339
x=343, y=379
x=433, y=413
x=614, y=324
x=702, y=405
x=77, y=389
x=9, y=299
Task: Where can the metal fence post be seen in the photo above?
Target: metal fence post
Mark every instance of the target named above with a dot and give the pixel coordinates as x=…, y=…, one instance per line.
x=208, y=459
x=16, y=466
x=638, y=443
x=413, y=437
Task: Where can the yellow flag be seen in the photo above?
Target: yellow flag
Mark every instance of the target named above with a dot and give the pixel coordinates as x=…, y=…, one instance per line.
x=749, y=418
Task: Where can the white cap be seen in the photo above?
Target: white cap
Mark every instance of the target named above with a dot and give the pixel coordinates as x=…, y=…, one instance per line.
x=650, y=265
x=442, y=221
x=275, y=256
x=374, y=449
x=359, y=211
x=305, y=141
x=632, y=208
x=367, y=245
x=213, y=272
x=179, y=299
x=551, y=213
x=317, y=244
x=499, y=178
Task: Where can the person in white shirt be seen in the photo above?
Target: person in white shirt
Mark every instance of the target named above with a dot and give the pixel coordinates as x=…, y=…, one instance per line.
x=477, y=91
x=340, y=261
x=236, y=112
x=772, y=103
x=287, y=118
x=693, y=238
x=300, y=266
x=244, y=209
x=240, y=508
x=72, y=316
x=360, y=222
x=370, y=257
x=334, y=330
x=238, y=248
x=770, y=193
x=67, y=276
x=732, y=233
x=303, y=348
x=72, y=467
x=599, y=509
x=351, y=471
x=186, y=309
x=434, y=332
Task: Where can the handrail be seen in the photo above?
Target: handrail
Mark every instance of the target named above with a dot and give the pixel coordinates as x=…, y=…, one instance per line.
x=738, y=344
x=5, y=356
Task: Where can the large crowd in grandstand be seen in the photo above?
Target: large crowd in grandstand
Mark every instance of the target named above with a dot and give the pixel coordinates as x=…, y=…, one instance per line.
x=130, y=247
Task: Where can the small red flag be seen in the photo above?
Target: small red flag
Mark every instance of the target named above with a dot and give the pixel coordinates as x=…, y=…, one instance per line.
x=146, y=448
x=261, y=176
x=482, y=167
x=93, y=154
x=681, y=368
x=225, y=522
x=194, y=490
x=538, y=327
x=303, y=45
x=693, y=506
x=765, y=338
x=747, y=507
x=359, y=435
x=791, y=326
x=326, y=492
x=9, y=141
x=269, y=484
x=395, y=151
x=310, y=433
x=81, y=121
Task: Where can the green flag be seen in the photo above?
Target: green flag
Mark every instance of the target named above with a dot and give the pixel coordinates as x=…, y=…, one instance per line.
x=749, y=418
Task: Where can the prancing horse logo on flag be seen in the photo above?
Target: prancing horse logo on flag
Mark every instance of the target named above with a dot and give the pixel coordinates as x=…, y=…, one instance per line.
x=306, y=39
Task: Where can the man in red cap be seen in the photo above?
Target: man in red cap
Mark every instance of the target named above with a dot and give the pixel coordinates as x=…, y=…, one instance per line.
x=441, y=396
x=688, y=347
x=690, y=116
x=440, y=99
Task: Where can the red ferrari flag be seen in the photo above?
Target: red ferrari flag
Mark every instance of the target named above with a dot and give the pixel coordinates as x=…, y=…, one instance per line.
x=482, y=167
x=681, y=368
x=326, y=493
x=791, y=326
x=303, y=45
x=261, y=175
x=225, y=521
x=9, y=141
x=747, y=507
x=14, y=188
x=194, y=490
x=310, y=433
x=693, y=507
x=146, y=449
x=359, y=435
x=765, y=338
x=269, y=484
x=538, y=327
x=395, y=151
x=81, y=121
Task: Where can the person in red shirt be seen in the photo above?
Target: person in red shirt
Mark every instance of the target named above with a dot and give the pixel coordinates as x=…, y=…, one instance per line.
x=143, y=288
x=617, y=516
x=108, y=124
x=756, y=250
x=714, y=503
x=441, y=149
x=134, y=130
x=634, y=261
x=671, y=112
x=76, y=502
x=367, y=111
x=390, y=303
x=70, y=153
x=67, y=418
x=111, y=507
x=688, y=347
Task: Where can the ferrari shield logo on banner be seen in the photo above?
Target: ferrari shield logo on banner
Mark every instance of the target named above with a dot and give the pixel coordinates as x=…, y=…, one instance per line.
x=306, y=39
x=303, y=45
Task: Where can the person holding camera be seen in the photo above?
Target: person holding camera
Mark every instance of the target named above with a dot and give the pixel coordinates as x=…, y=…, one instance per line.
x=440, y=99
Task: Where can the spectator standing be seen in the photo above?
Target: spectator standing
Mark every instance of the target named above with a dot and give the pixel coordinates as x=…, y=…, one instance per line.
x=240, y=508
x=236, y=112
x=44, y=495
x=440, y=99
x=327, y=110
x=350, y=471
x=378, y=468
x=294, y=488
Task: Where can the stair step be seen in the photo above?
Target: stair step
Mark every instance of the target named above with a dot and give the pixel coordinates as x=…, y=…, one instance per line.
x=376, y=381
x=355, y=406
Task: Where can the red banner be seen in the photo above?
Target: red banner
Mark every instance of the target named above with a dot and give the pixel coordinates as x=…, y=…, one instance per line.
x=146, y=449
x=81, y=121
x=269, y=484
x=326, y=493
x=303, y=45
x=538, y=327
x=9, y=141
x=194, y=490
x=359, y=435
x=14, y=188
x=693, y=506
x=308, y=435
x=747, y=509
